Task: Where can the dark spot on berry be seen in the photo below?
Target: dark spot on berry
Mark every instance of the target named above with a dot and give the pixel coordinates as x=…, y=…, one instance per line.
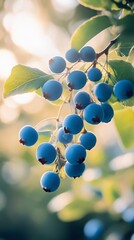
x=46, y=189
x=129, y=93
x=66, y=130
x=46, y=95
x=71, y=86
x=22, y=141
x=42, y=160
x=96, y=119
x=81, y=160
x=79, y=106
x=51, y=61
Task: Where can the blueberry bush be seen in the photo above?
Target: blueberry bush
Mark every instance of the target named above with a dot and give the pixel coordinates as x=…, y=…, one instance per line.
x=94, y=88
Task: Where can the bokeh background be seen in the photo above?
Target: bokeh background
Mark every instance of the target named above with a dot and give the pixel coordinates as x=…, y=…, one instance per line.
x=100, y=205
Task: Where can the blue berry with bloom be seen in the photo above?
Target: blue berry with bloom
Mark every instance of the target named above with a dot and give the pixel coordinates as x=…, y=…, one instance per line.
x=46, y=153
x=50, y=181
x=28, y=135
x=123, y=90
x=74, y=171
x=81, y=100
x=72, y=124
x=75, y=154
x=103, y=91
x=57, y=64
x=52, y=90
x=72, y=55
x=108, y=112
x=88, y=140
x=76, y=79
x=64, y=137
x=94, y=74
x=93, y=113
x=87, y=54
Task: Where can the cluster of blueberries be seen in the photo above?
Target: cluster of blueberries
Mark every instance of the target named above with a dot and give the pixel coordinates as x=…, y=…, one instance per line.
x=87, y=109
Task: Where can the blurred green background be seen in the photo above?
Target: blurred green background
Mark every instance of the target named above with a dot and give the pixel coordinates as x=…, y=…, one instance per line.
x=100, y=205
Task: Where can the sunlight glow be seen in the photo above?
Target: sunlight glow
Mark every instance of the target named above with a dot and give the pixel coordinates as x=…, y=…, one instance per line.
x=64, y=6
x=60, y=201
x=7, y=61
x=24, y=98
x=27, y=32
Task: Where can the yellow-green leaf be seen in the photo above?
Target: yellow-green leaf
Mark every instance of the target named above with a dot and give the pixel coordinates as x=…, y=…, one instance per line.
x=24, y=79
x=124, y=122
x=88, y=30
x=99, y=4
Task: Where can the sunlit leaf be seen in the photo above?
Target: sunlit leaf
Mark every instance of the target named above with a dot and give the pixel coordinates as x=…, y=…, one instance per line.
x=99, y=5
x=124, y=122
x=88, y=30
x=24, y=79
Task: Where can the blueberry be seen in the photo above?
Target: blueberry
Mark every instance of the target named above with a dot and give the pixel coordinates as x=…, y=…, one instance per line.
x=46, y=153
x=103, y=91
x=93, y=229
x=74, y=170
x=94, y=74
x=52, y=90
x=123, y=90
x=75, y=154
x=88, y=140
x=73, y=124
x=87, y=54
x=76, y=79
x=28, y=135
x=93, y=113
x=81, y=100
x=64, y=137
x=50, y=181
x=72, y=55
x=108, y=112
x=57, y=64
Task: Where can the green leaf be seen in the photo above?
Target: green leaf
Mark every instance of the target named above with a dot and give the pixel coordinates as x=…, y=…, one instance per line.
x=124, y=122
x=99, y=5
x=126, y=40
x=88, y=30
x=121, y=70
x=24, y=79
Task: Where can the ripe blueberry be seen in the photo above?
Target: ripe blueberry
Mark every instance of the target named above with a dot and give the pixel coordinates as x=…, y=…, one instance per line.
x=108, y=112
x=72, y=55
x=102, y=91
x=52, y=90
x=46, y=153
x=73, y=124
x=76, y=79
x=50, y=181
x=94, y=74
x=74, y=170
x=75, y=154
x=57, y=64
x=81, y=100
x=88, y=140
x=28, y=135
x=123, y=90
x=93, y=113
x=64, y=137
x=87, y=54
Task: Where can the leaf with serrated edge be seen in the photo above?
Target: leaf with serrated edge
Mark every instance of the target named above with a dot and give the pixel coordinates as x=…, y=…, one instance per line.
x=88, y=30
x=24, y=79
